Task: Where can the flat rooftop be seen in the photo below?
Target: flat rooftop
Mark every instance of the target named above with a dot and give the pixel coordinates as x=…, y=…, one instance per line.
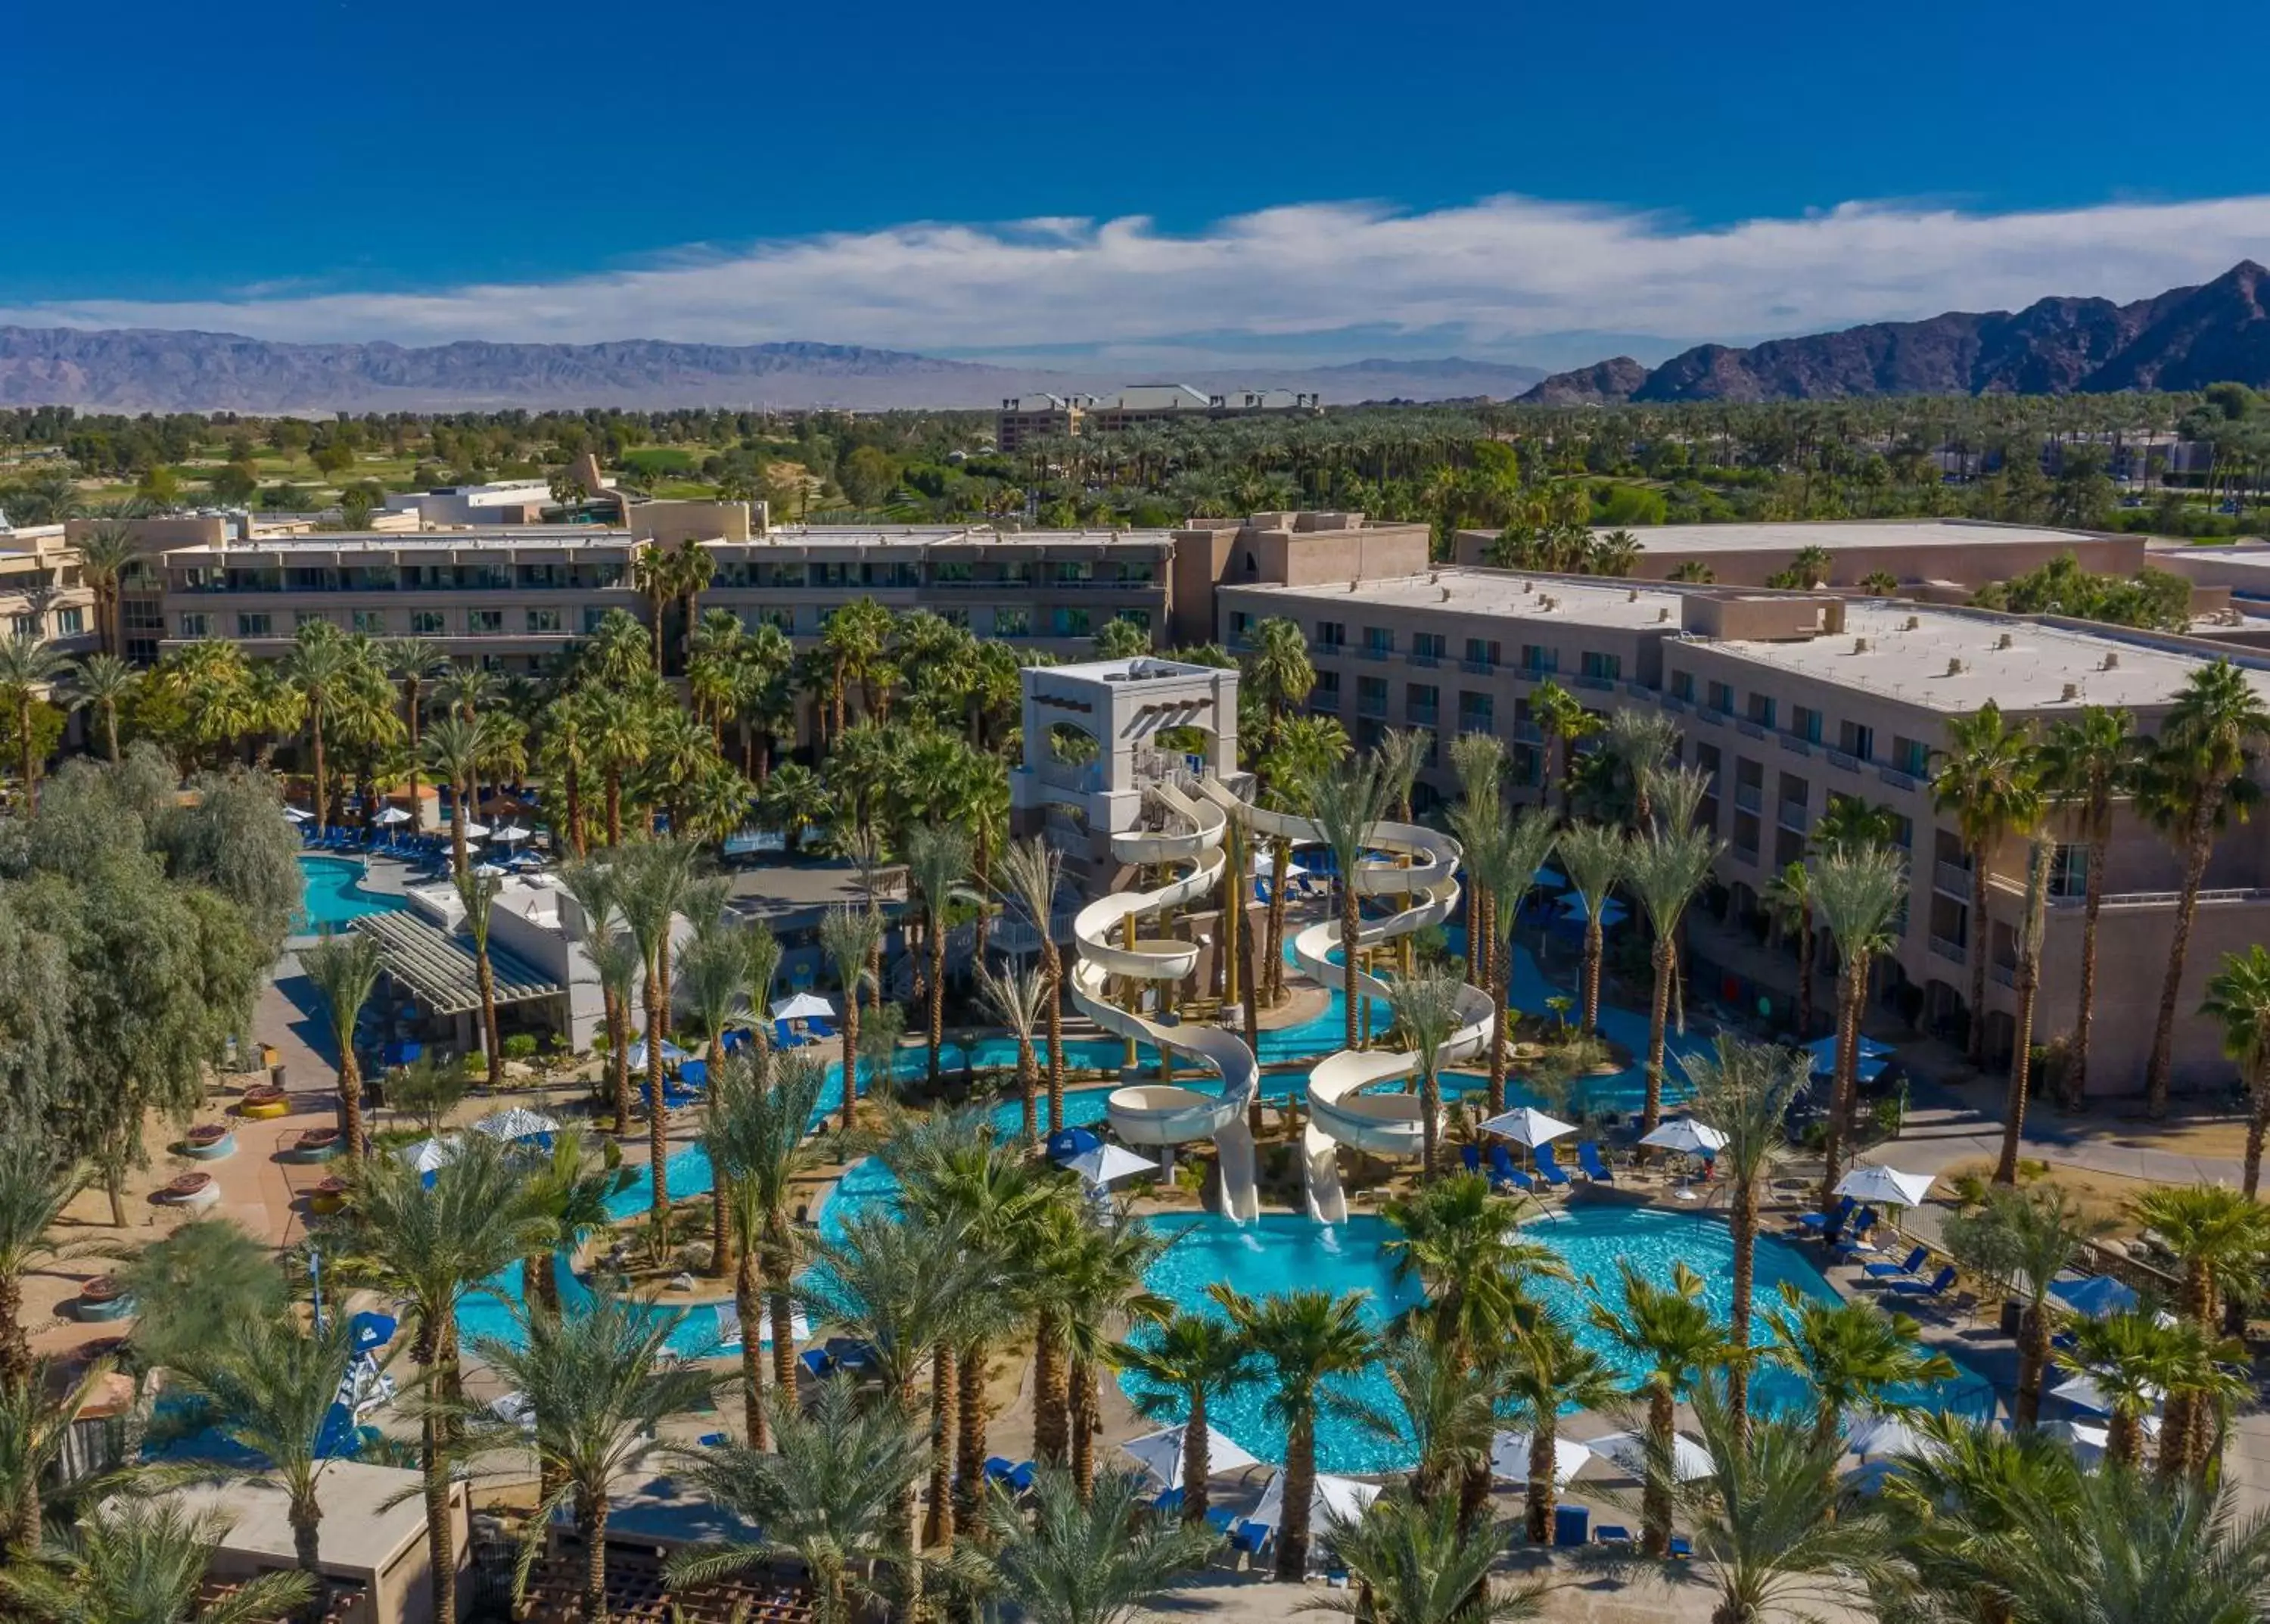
x=362, y=1531
x=1835, y=534
x=553, y=538
x=1550, y=599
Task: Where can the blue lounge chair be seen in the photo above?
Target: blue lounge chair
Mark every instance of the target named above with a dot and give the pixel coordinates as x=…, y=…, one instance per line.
x=1020, y=1480
x=1470, y=1156
x=1683, y=1548
x=816, y=1363
x=997, y=1468
x=1168, y=1502
x=715, y=1440
x=1548, y=1169
x=1851, y=1238
x=1572, y=1525
x=1220, y=1520
x=1909, y=1268
x=1588, y=1157
x=1828, y=1223
x=1612, y=1534
x=1926, y=1291
x=819, y=1028
x=1250, y=1538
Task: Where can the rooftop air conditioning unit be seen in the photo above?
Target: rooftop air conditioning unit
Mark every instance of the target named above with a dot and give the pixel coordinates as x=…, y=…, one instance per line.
x=1632, y=597
x=2005, y=640
x=1859, y=645
x=1914, y=623
x=1663, y=614
x=2072, y=692
x=1955, y=667
x=2111, y=662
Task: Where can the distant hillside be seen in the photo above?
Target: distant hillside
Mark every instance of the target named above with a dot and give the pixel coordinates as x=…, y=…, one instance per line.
x=2182, y=339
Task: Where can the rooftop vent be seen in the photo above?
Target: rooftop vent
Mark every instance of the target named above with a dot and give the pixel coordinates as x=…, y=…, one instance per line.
x=1859, y=645
x=1663, y=613
x=1527, y=585
x=1632, y=597
x=1446, y=595
x=2005, y=641
x=1955, y=667
x=2072, y=692
x=1354, y=581
x=2111, y=662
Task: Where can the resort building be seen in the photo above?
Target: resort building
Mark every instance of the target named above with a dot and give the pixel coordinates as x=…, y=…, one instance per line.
x=40, y=594
x=1024, y=419
x=1787, y=700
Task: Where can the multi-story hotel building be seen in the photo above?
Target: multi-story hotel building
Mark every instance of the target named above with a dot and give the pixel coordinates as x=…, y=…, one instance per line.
x=1788, y=698
x=1024, y=419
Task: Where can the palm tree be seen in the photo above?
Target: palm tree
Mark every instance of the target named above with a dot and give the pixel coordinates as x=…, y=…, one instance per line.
x=104, y=553
x=1789, y=896
x=1030, y=870
x=2238, y=1000
x=411, y=660
x=1426, y=1010
x=567, y=1196
x=1302, y=1338
x=1279, y=673
x=424, y=1248
x=452, y=752
x=756, y=1139
x=1548, y=1371
x=2222, y=1239
x=2135, y=1359
x=1410, y=1561
x=321, y=664
x=1664, y=869
x=269, y=1387
x=1668, y=1332
x=1852, y=1355
x=34, y=1188
x=1478, y=819
x=1343, y=804
x=597, y=1391
x=653, y=883
x=144, y=1561
x=1861, y=895
x=1641, y=742
x=619, y=735
x=615, y=961
x=1100, y=1291
x=826, y=1497
x=1093, y=1558
x=478, y=894
x=1595, y=857
x=938, y=862
x=2088, y=763
x=713, y=980
x=1989, y=776
x=1563, y=719
x=2196, y=777
x=1189, y=1359
x=2023, y=1240
x=1013, y=996
x=2041, y=852
x=1466, y=1245
x=29, y=670
x=1744, y=1092
x=345, y=970
x=105, y=682
x=848, y=935
x=1506, y=862
x=1445, y=1404
x=1302, y=750
x=37, y=1418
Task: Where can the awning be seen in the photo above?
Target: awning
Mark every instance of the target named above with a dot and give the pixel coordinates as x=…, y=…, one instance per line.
x=438, y=968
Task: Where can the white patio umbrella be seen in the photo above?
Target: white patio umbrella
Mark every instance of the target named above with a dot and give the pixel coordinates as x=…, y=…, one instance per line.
x=391, y=815
x=512, y=834
x=488, y=870
x=670, y=1053
x=1526, y=1125
x=1687, y=1137
x=477, y=831
x=804, y=1006
x=1689, y=1460
x=518, y=1123
x=1345, y=1497
x=1510, y=1457
x=514, y=1410
x=1160, y=1454
x=430, y=1155
x=2082, y=1391
x=2088, y=1441
x=1107, y=1164
x=297, y=815
x=1885, y=1186
x=1867, y=1433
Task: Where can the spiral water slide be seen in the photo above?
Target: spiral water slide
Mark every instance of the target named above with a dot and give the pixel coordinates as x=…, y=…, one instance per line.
x=1111, y=945
x=1348, y=1100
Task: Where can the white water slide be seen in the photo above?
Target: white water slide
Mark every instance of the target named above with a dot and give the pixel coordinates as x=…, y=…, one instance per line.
x=1162, y=1113
x=1348, y=1101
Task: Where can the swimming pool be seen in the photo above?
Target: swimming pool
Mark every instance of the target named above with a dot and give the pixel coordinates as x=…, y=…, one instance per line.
x=1277, y=1254
x=332, y=896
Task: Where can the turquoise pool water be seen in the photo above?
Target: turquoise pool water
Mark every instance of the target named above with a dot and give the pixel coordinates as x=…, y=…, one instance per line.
x=1279, y=1254
x=332, y=896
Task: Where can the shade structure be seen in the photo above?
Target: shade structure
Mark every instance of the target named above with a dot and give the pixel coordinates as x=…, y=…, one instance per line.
x=1689, y=1460
x=514, y=1410
x=672, y=1054
x=1870, y=1060
x=298, y=814
x=488, y=870
x=1549, y=879
x=1685, y=1136
x=2088, y=1442
x=371, y=1330
x=518, y=1123
x=391, y=815
x=1612, y=912
x=1885, y=1186
x=804, y=1006
x=2099, y=1296
x=1342, y=1497
x=1527, y=1125
x=1868, y=1433
x=476, y=831
x=1066, y=1144
x=1160, y=1454
x=1510, y=1457
x=1107, y=1164
x=430, y=1155
x=512, y=834
x=2082, y=1392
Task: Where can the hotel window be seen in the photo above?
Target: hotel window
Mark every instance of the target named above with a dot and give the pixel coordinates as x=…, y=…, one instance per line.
x=1761, y=709
x=196, y=626
x=1240, y=623
x=1721, y=697
x=1012, y=623
x=1422, y=703
x=593, y=619
x=1326, y=694
x=1426, y=645
x=951, y=616
x=1912, y=756
x=1482, y=652
x=1331, y=634
x=1138, y=618
x=1477, y=712
x=1805, y=721
x=427, y=623
x=254, y=625
x=1856, y=740
x=1068, y=623
x=307, y=617
x=1603, y=667
x=1073, y=572
x=24, y=626
x=69, y=622
x=1371, y=696
x=1378, y=640
x=544, y=620
x=1682, y=686
x=484, y=622
x=371, y=622
x=1539, y=661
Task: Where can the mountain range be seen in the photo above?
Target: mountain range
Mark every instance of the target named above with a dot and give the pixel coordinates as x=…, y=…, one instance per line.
x=2182, y=339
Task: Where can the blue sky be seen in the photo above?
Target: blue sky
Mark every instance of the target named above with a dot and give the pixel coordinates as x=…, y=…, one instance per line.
x=347, y=169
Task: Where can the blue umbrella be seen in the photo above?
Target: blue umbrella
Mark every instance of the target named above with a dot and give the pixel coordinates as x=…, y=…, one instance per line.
x=371, y=1330
x=1612, y=912
x=2096, y=1295
x=1549, y=879
x=1869, y=1063
x=1067, y=1143
x=694, y=1074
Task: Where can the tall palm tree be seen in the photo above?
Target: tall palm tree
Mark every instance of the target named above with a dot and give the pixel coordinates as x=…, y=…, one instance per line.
x=424, y=1248
x=1852, y=1355
x=848, y=935
x=345, y=970
x=2221, y=1241
x=1301, y=1340
x=105, y=552
x=566, y=1194
x=1030, y=870
x=270, y=1386
x=1860, y=894
x=144, y=1561
x=1446, y=1406
x=712, y=976
x=1479, y=820
x=597, y=1389
x=30, y=669
x=1789, y=897
x=1426, y=1010
x=321, y=664
x=1989, y=777
x=1093, y=1558
x=1507, y=862
x=826, y=1497
x=2023, y=1240
x=614, y=958
x=1099, y=1281
x=1013, y=994
x=1744, y=1091
x=412, y=662
x=35, y=1186
x=1641, y=742
x=938, y=863
x=1343, y=804
x=105, y=682
x=654, y=883
x=756, y=1136
x=2196, y=777
x=1548, y=1371
x=1669, y=1335
x=2089, y=762
x=2238, y=1001
x=618, y=734
x=1300, y=750
x=2136, y=1359
x=1466, y=1245
x=1664, y=869
x=37, y=1419
x=478, y=894
x=1400, y=753
x=452, y=752
x=1188, y=1362
x=1410, y=1561
x=1563, y=719
x=1595, y=857
x=2032, y=922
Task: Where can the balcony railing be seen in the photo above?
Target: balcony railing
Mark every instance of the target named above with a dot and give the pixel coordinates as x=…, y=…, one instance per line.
x=1370, y=652
x=1897, y=779
x=1598, y=684
x=1951, y=951
x=1748, y=729
x=1794, y=815
x=1327, y=650
x=1951, y=878
x=1417, y=658
x=1673, y=702
x=1085, y=776
x=1850, y=762
x=1715, y=718
x=1795, y=746
x=1479, y=668
x=2003, y=975
x=2169, y=899
x=1422, y=715
x=1749, y=797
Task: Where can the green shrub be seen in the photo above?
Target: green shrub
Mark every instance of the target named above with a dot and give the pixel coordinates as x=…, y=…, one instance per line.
x=520, y=1045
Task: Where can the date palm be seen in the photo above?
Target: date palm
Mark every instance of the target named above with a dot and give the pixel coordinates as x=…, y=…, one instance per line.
x=1300, y=750
x=937, y=865
x=144, y=1561
x=712, y=975
x=615, y=961
x=1548, y=1371
x=2238, y=1001
x=1595, y=857
x=1672, y=1341
x=2041, y=851
x=2089, y=762
x=1030, y=871
x=1426, y=1010
x=452, y=752
x=1507, y=862
x=1479, y=761
x=1343, y=804
x=1789, y=898
x=35, y=1186
x=2022, y=1240
x=2136, y=1360
x=1098, y=1282
x=654, y=883
x=1093, y=1558
x=1852, y=1355
x=1563, y=719
x=1301, y=1340
x=1185, y=1365
x=37, y=1417
x=478, y=894
x=321, y=664
x=1466, y=1245
x=1444, y=1405
x=1989, y=777
x=413, y=662
x=345, y=970
x=2222, y=1241
x=1664, y=869
x=105, y=682
x=105, y=552
x=1860, y=894
x=1411, y=1561
x=29, y=670
x=1641, y=742
x=848, y=936
x=1013, y=994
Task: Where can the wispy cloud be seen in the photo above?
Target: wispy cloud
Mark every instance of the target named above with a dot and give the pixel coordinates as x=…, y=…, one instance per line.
x=1499, y=278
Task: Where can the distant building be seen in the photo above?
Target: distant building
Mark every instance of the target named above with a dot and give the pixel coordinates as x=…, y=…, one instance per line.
x=508, y=501
x=1024, y=419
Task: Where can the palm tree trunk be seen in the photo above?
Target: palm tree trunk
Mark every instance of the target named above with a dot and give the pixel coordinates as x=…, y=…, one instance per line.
x=1657, y=1020
x=1976, y=1044
x=591, y=1522
x=2084, y=1015
x=936, y=990
x=1744, y=1223
x=1840, y=1098
x=316, y=733
x=657, y=1120
x=850, y=1047
x=2257, y=1127
x=439, y=1536
x=2033, y=1359
x=1500, y=993
x=1430, y=1126
x=910, y=1571
x=1028, y=1088
x=15, y=1348
x=2157, y=1075
x=485, y=976
x=2013, y=1108
x=571, y=786
x=110, y=730
x=1350, y=922
x=1544, y=1441
x=784, y=1306
x=26, y=765
x=944, y=1392
x=614, y=788
x=1281, y=854
x=351, y=1096
x=1049, y=1421
x=307, y=1554
x=1655, y=1495
x=2122, y=1434
x=1197, y=1464
x=969, y=1446
x=1299, y=1488
x=1055, y=966
x=1593, y=953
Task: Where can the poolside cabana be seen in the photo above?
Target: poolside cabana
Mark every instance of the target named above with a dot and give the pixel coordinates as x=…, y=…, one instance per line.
x=437, y=967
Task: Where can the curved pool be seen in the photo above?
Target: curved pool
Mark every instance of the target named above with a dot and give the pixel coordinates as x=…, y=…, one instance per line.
x=332, y=895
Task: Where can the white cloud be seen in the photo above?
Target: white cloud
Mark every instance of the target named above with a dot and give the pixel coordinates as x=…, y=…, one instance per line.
x=1488, y=277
